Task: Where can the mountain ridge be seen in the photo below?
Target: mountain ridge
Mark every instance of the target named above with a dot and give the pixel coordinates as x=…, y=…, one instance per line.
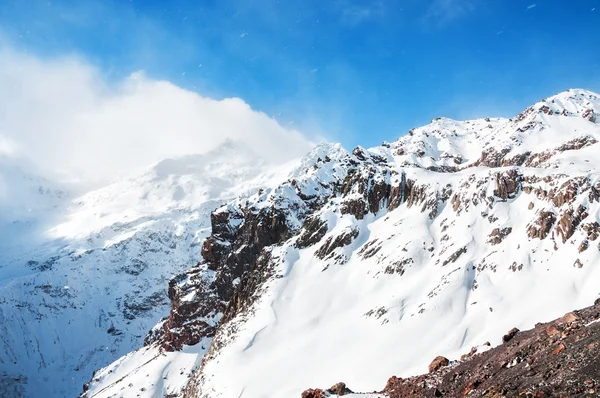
x=431, y=240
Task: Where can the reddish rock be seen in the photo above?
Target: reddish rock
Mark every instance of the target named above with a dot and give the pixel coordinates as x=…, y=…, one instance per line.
x=569, y=318
x=438, y=363
x=560, y=348
x=552, y=331
x=316, y=393
x=540, y=228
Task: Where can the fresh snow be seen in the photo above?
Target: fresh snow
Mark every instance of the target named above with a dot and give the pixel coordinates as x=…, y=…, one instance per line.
x=320, y=321
x=83, y=280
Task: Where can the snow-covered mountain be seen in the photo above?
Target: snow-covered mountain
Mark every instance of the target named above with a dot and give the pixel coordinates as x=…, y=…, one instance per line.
x=363, y=264
x=83, y=280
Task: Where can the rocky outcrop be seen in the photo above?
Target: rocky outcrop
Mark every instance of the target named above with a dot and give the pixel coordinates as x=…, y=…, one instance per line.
x=569, y=221
x=555, y=359
x=498, y=235
x=236, y=253
x=508, y=184
x=541, y=226
x=341, y=240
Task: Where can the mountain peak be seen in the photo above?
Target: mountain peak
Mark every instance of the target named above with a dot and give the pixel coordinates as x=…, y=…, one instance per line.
x=572, y=102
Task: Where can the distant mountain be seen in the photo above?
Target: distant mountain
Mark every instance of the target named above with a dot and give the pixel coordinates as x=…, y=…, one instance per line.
x=88, y=277
x=369, y=263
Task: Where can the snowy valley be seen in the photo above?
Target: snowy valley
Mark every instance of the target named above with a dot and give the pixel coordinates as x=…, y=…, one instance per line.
x=83, y=279
x=343, y=265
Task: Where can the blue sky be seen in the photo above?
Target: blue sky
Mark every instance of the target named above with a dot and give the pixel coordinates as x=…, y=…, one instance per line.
x=358, y=72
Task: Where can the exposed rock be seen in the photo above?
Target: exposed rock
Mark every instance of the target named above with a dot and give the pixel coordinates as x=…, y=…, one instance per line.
x=455, y=256
x=569, y=317
x=508, y=184
x=560, y=348
x=590, y=115
x=592, y=230
x=314, y=230
x=498, y=235
x=569, y=221
x=341, y=240
x=511, y=333
x=438, y=363
x=577, y=143
x=339, y=389
x=316, y=393
x=540, y=228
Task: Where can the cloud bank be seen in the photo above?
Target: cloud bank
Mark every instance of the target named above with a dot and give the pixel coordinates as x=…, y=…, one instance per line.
x=66, y=117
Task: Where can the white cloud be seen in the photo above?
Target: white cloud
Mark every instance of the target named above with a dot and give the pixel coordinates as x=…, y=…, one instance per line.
x=66, y=117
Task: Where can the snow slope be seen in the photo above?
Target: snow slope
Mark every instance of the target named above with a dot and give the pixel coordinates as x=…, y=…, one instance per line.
x=391, y=256
x=86, y=283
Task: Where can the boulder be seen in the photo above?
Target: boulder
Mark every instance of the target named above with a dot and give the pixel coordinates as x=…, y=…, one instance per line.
x=438, y=363
x=511, y=333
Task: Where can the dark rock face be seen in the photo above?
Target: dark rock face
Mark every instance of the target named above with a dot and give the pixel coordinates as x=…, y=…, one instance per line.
x=187, y=323
x=332, y=243
x=314, y=230
x=508, y=336
x=236, y=253
x=556, y=359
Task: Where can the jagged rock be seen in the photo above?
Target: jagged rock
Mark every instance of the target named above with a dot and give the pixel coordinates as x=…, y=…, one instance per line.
x=508, y=184
x=341, y=240
x=569, y=221
x=540, y=228
x=438, y=363
x=314, y=230
x=356, y=207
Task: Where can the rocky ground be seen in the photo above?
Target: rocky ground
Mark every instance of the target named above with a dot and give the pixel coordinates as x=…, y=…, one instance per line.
x=555, y=359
